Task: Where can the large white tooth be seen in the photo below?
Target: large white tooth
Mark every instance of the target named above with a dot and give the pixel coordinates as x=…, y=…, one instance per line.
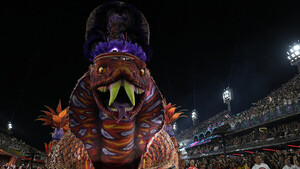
x=142, y=91
x=139, y=90
x=114, y=89
x=129, y=88
x=102, y=88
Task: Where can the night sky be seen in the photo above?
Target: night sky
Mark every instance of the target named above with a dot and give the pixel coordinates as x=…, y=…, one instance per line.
x=199, y=48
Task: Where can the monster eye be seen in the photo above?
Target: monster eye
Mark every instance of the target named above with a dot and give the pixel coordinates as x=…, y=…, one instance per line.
x=100, y=69
x=142, y=72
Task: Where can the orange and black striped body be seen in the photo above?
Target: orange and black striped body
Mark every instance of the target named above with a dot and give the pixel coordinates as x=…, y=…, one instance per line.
x=112, y=144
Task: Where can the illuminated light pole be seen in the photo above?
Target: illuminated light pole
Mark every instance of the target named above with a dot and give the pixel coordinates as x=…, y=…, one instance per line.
x=9, y=126
x=194, y=116
x=174, y=126
x=294, y=55
x=227, y=97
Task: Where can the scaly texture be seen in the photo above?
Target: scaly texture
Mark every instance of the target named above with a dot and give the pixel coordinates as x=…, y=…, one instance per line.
x=69, y=153
x=161, y=153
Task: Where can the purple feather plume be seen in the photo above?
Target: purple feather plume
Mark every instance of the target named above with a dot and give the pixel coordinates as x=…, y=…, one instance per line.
x=169, y=129
x=58, y=133
x=119, y=46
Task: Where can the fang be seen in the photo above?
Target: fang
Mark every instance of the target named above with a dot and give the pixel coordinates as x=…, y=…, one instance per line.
x=102, y=89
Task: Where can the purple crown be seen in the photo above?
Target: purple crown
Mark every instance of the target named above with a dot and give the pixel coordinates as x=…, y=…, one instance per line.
x=118, y=46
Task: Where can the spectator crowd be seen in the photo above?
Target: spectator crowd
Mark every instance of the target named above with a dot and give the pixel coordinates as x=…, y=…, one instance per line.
x=12, y=146
x=277, y=104
x=9, y=141
x=286, y=159
x=272, y=135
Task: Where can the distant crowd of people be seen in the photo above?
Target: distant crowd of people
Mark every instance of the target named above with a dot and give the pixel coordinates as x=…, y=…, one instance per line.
x=265, y=109
x=9, y=141
x=4, y=164
x=281, y=131
x=281, y=159
x=12, y=145
x=210, y=123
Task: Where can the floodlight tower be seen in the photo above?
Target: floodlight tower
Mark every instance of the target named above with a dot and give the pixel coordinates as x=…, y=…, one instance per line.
x=9, y=126
x=294, y=55
x=175, y=127
x=194, y=116
x=227, y=97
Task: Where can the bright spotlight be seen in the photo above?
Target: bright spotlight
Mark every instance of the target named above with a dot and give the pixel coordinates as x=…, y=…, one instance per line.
x=294, y=53
x=174, y=126
x=227, y=95
x=194, y=114
x=9, y=126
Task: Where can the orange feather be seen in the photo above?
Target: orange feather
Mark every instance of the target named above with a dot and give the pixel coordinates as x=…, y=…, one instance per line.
x=56, y=121
x=168, y=106
x=62, y=115
x=66, y=127
x=58, y=109
x=171, y=111
x=46, y=121
x=170, y=115
x=47, y=113
x=65, y=122
x=48, y=147
x=51, y=110
x=174, y=117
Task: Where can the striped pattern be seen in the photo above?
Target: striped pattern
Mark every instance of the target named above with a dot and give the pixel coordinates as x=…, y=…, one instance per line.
x=119, y=148
x=127, y=142
x=107, y=142
x=150, y=118
x=83, y=114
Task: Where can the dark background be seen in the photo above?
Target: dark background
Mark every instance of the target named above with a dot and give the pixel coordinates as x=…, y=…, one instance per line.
x=199, y=48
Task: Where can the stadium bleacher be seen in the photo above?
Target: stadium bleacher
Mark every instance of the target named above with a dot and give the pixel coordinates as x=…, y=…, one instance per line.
x=271, y=125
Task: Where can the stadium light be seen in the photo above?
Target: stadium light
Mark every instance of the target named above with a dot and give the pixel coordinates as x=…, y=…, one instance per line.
x=194, y=116
x=294, y=55
x=9, y=126
x=227, y=97
x=174, y=126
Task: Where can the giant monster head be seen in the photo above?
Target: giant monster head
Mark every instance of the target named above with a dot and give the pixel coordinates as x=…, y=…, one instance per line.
x=119, y=81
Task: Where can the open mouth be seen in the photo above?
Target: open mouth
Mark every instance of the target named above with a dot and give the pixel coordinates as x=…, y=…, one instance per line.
x=120, y=99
